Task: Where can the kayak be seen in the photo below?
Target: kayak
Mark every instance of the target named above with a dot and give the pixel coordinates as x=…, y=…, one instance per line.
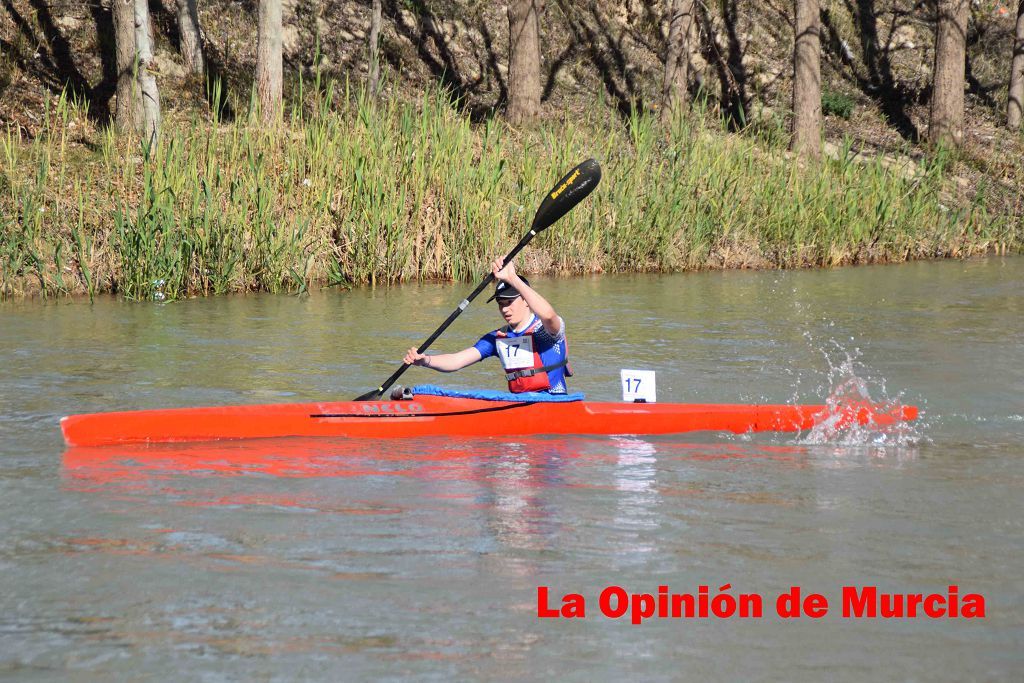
x=437, y=412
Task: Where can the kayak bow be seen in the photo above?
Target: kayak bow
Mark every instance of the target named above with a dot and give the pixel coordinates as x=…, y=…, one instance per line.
x=468, y=415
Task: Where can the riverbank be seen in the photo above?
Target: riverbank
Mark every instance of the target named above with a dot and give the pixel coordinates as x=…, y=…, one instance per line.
x=346, y=192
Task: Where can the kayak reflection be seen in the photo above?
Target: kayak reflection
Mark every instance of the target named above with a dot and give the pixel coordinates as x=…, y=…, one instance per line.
x=501, y=493
x=428, y=458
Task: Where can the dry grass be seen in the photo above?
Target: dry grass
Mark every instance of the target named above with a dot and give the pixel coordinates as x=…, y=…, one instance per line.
x=347, y=191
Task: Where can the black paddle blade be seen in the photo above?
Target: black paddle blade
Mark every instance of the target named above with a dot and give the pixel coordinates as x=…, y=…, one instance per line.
x=370, y=395
x=567, y=193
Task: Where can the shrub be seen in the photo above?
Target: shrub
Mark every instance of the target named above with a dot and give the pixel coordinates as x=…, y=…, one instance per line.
x=836, y=104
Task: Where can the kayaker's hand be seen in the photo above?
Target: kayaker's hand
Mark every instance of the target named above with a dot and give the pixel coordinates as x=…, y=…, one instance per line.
x=502, y=272
x=414, y=357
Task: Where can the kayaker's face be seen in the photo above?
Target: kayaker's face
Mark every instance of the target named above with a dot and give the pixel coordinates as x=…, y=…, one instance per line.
x=514, y=311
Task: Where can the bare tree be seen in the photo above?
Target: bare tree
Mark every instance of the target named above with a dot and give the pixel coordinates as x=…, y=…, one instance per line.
x=269, y=59
x=149, y=127
x=1016, y=98
x=807, y=81
x=138, y=100
x=523, y=60
x=375, y=48
x=947, y=115
x=127, y=112
x=191, y=41
x=674, y=94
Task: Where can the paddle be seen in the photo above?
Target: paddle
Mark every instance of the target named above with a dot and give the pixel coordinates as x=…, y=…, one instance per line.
x=567, y=193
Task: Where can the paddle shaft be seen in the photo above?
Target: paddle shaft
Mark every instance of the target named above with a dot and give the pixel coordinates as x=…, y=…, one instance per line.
x=463, y=305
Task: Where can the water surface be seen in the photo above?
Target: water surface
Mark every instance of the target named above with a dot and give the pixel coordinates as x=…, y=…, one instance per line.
x=331, y=559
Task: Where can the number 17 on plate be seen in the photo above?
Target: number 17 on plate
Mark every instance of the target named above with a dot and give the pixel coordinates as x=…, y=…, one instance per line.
x=638, y=386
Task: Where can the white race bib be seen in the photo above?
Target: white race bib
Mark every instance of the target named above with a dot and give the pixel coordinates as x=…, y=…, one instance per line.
x=515, y=353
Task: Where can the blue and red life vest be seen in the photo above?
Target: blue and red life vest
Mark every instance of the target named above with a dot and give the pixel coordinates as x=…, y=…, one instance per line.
x=528, y=367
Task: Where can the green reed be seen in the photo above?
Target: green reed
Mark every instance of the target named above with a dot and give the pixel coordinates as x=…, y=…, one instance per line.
x=344, y=189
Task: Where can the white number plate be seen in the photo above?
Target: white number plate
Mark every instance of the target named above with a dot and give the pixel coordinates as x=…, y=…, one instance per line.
x=638, y=385
x=516, y=353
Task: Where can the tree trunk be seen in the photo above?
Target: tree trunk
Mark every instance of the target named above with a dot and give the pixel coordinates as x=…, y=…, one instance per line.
x=807, y=81
x=191, y=42
x=523, y=60
x=1016, y=99
x=674, y=93
x=149, y=127
x=947, y=116
x=375, y=49
x=269, y=65
x=127, y=113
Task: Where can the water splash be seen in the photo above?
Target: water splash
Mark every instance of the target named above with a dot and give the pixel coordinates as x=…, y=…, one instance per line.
x=848, y=387
x=843, y=382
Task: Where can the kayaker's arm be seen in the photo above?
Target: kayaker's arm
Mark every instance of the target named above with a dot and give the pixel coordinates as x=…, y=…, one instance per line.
x=538, y=304
x=443, y=362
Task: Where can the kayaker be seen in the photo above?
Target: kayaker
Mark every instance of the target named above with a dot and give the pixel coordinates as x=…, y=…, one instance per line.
x=531, y=347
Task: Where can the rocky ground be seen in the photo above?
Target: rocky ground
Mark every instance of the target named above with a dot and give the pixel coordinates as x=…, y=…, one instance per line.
x=597, y=53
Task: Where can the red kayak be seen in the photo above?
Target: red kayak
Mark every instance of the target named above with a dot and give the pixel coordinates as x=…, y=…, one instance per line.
x=479, y=414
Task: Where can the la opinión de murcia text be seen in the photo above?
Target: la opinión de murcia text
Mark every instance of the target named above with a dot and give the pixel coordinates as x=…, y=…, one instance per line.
x=855, y=602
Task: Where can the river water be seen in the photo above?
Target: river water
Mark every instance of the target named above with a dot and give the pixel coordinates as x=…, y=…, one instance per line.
x=299, y=559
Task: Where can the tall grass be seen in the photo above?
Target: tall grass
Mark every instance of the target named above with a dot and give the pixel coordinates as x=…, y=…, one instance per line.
x=347, y=190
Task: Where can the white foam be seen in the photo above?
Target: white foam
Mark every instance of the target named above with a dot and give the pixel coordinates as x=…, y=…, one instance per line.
x=849, y=383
